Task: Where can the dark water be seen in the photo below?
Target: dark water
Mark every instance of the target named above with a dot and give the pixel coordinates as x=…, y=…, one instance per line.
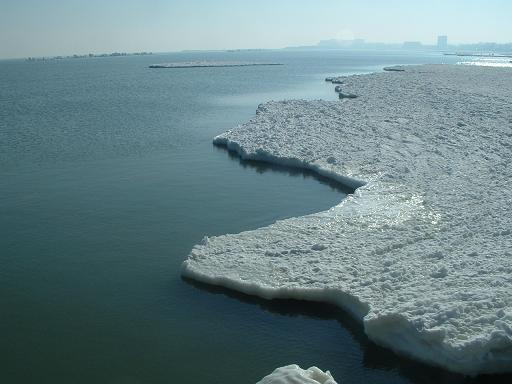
x=108, y=178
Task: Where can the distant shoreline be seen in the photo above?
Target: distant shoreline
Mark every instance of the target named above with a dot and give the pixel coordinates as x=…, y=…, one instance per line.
x=88, y=56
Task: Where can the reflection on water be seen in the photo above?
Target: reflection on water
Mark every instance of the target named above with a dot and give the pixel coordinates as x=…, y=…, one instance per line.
x=262, y=167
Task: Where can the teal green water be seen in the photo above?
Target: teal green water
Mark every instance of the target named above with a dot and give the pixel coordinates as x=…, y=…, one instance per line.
x=108, y=178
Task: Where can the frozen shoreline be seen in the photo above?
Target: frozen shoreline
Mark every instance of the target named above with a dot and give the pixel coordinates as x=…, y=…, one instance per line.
x=422, y=252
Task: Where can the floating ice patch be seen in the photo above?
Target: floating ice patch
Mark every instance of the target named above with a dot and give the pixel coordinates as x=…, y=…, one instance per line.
x=201, y=64
x=421, y=253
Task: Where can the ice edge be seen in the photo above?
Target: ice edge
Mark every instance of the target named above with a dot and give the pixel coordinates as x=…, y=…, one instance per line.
x=393, y=332
x=266, y=157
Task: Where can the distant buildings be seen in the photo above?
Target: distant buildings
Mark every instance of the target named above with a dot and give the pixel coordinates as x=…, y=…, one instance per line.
x=441, y=46
x=442, y=42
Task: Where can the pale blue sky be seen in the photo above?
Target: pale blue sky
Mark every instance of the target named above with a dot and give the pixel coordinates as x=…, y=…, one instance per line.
x=51, y=27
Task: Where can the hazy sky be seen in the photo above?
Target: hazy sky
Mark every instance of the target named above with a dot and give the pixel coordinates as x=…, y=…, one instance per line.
x=51, y=27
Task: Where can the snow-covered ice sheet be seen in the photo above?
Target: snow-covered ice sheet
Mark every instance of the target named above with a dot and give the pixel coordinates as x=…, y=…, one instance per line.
x=293, y=374
x=422, y=251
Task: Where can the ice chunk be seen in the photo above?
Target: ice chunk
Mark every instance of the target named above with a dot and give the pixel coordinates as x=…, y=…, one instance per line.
x=293, y=374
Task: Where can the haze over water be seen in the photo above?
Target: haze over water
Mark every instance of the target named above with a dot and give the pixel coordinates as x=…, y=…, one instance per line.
x=108, y=178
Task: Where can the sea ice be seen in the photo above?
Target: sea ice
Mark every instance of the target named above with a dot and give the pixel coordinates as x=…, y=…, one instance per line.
x=293, y=374
x=421, y=253
x=201, y=64
x=489, y=62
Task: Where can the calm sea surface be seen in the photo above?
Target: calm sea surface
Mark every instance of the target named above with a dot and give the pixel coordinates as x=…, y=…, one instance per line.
x=108, y=178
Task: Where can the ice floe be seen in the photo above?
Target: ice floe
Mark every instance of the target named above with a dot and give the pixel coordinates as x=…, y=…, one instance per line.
x=421, y=253
x=293, y=374
x=201, y=64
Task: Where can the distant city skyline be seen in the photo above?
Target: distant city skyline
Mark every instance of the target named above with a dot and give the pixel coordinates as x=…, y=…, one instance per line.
x=57, y=27
x=442, y=44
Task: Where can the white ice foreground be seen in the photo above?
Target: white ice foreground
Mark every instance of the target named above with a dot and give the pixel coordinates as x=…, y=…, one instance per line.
x=293, y=374
x=422, y=252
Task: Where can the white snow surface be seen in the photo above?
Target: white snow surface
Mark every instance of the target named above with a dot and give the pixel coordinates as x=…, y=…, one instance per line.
x=422, y=252
x=293, y=374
